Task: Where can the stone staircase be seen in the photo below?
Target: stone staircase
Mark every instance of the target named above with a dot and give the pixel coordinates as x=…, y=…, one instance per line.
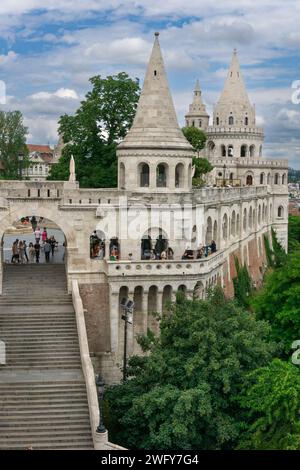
x=43, y=400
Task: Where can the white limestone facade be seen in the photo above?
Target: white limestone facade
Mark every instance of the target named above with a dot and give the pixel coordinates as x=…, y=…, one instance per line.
x=155, y=199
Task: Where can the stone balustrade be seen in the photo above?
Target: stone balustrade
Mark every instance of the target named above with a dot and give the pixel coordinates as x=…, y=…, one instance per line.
x=249, y=162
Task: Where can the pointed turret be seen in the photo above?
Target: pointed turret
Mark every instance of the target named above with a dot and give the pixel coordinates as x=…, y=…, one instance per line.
x=155, y=124
x=234, y=107
x=197, y=115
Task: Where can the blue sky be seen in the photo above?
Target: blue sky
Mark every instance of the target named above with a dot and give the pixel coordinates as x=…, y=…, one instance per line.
x=50, y=48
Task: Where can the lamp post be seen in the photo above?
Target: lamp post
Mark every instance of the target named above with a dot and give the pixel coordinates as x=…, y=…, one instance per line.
x=127, y=306
x=100, y=384
x=20, y=160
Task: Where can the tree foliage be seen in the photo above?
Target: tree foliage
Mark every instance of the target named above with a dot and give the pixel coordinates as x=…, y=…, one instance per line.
x=196, y=137
x=276, y=256
x=92, y=134
x=294, y=233
x=242, y=283
x=272, y=397
x=182, y=395
x=12, y=143
x=279, y=301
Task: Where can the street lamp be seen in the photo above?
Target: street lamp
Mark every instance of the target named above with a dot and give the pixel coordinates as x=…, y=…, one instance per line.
x=127, y=306
x=20, y=159
x=100, y=384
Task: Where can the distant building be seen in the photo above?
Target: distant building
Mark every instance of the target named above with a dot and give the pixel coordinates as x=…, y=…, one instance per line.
x=41, y=159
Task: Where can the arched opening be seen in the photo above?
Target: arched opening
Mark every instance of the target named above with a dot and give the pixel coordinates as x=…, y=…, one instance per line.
x=252, y=150
x=97, y=245
x=208, y=236
x=223, y=150
x=161, y=175
x=33, y=240
x=244, y=150
x=225, y=227
x=230, y=150
x=217, y=121
x=179, y=175
x=114, y=249
x=237, y=224
x=138, y=317
x=182, y=289
x=245, y=220
x=276, y=178
x=122, y=175
x=152, y=320
x=211, y=147
x=249, y=180
x=144, y=175
x=198, y=292
x=280, y=211
x=250, y=218
x=166, y=297
x=283, y=179
x=230, y=121
x=215, y=231
x=262, y=178
x=269, y=178
x=233, y=224
x=246, y=121
x=155, y=245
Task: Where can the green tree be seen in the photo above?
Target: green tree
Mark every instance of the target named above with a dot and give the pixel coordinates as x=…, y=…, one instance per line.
x=196, y=137
x=272, y=397
x=12, y=143
x=182, y=395
x=294, y=233
x=276, y=256
x=242, y=283
x=279, y=301
x=92, y=134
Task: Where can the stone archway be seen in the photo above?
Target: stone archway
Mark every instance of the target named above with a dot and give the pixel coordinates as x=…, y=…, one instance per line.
x=19, y=210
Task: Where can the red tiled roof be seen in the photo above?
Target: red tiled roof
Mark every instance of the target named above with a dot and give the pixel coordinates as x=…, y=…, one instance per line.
x=40, y=148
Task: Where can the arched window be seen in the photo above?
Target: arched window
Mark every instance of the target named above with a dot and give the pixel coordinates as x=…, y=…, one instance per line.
x=246, y=121
x=193, y=123
x=259, y=215
x=237, y=224
x=283, y=178
x=260, y=151
x=200, y=123
x=252, y=150
x=230, y=150
x=269, y=179
x=249, y=180
x=144, y=175
x=280, y=211
x=211, y=147
x=233, y=224
x=217, y=121
x=215, y=231
x=276, y=179
x=231, y=177
x=97, y=245
x=208, y=236
x=262, y=178
x=122, y=175
x=225, y=227
x=245, y=220
x=243, y=150
x=223, y=150
x=230, y=121
x=250, y=218
x=179, y=175
x=161, y=175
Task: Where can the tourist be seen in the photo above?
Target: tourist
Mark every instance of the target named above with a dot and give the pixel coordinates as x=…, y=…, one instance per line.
x=47, y=249
x=44, y=235
x=37, y=234
x=188, y=254
x=15, y=252
x=152, y=255
x=37, y=248
x=163, y=255
x=101, y=251
x=25, y=250
x=170, y=253
x=21, y=252
x=53, y=244
x=31, y=252
x=130, y=257
x=213, y=246
x=199, y=253
x=33, y=223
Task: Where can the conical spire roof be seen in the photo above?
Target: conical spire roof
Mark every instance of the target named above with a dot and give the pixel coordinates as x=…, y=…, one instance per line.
x=155, y=124
x=234, y=100
x=197, y=107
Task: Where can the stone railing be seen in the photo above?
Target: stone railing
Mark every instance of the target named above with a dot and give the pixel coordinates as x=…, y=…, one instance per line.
x=219, y=195
x=249, y=162
x=235, y=130
x=164, y=267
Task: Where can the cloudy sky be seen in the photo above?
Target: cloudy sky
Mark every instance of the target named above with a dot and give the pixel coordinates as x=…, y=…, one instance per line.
x=50, y=48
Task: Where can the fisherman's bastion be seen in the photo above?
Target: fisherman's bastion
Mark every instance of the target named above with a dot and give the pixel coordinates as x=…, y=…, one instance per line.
x=155, y=208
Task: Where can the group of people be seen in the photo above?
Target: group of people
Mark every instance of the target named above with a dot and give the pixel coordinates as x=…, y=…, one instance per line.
x=201, y=252
x=19, y=248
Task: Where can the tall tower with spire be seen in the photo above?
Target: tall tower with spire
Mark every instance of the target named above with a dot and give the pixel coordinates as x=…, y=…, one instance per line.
x=155, y=155
x=234, y=133
x=197, y=115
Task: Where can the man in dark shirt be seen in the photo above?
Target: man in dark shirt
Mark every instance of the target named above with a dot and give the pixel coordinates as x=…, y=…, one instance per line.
x=37, y=248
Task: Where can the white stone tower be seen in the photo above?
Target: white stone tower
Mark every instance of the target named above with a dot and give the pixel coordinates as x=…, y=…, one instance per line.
x=234, y=132
x=197, y=115
x=155, y=155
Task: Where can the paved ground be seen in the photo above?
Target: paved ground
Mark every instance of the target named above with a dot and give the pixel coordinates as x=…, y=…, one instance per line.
x=58, y=254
